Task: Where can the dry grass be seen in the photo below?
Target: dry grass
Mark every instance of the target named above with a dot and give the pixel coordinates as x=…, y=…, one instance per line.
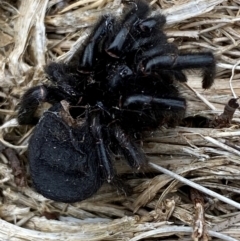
x=34, y=32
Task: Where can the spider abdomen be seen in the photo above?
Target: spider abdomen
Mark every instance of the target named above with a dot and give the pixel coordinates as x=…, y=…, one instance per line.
x=61, y=166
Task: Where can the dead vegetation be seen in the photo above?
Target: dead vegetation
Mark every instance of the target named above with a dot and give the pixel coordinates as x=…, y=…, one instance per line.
x=161, y=206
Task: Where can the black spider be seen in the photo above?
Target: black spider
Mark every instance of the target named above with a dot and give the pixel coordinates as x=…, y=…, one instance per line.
x=121, y=82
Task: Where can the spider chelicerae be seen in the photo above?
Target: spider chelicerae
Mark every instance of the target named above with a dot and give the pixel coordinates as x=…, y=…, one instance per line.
x=119, y=83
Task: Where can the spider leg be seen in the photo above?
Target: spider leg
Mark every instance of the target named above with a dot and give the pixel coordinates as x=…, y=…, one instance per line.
x=145, y=100
x=145, y=35
x=102, y=152
x=149, y=112
x=133, y=154
x=152, y=23
x=31, y=101
x=66, y=79
x=88, y=56
x=104, y=156
x=125, y=36
x=117, y=74
x=203, y=61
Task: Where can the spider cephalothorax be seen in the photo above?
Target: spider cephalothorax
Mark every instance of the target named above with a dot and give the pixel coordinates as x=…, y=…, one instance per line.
x=119, y=83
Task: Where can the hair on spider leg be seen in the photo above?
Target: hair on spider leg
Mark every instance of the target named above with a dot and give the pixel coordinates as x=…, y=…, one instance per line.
x=119, y=83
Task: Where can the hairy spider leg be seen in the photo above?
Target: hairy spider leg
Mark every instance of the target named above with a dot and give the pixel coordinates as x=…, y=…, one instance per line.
x=89, y=55
x=117, y=75
x=116, y=47
x=146, y=34
x=96, y=130
x=29, y=104
x=152, y=23
x=151, y=111
x=203, y=61
x=32, y=99
x=172, y=103
x=132, y=153
x=66, y=79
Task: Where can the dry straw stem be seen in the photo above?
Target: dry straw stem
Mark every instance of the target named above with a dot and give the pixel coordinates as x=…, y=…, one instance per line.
x=34, y=33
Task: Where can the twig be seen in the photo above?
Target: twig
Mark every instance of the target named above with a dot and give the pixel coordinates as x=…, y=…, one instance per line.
x=175, y=229
x=211, y=106
x=194, y=185
x=230, y=81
